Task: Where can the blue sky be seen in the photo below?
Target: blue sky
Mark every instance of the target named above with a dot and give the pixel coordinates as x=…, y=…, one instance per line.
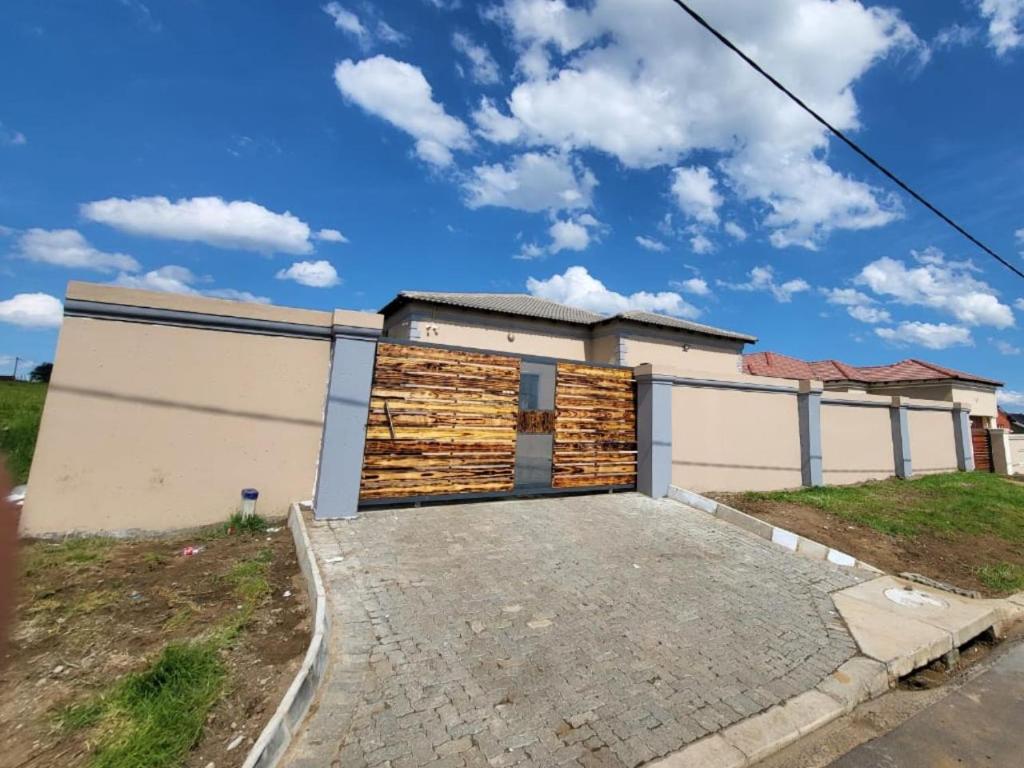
x=608, y=154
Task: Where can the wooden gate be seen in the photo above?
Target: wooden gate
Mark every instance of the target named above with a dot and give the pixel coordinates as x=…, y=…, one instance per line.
x=443, y=423
x=981, y=443
x=595, y=427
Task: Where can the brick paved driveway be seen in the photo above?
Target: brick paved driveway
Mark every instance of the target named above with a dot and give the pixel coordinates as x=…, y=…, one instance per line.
x=587, y=631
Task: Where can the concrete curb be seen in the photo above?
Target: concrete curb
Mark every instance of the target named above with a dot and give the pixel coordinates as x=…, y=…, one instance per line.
x=786, y=539
x=751, y=740
x=278, y=733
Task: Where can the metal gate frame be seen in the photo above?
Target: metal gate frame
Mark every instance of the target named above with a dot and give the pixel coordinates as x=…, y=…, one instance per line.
x=514, y=493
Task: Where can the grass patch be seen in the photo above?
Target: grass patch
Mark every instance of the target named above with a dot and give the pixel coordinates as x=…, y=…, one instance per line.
x=971, y=503
x=21, y=408
x=68, y=554
x=251, y=524
x=151, y=719
x=1002, y=577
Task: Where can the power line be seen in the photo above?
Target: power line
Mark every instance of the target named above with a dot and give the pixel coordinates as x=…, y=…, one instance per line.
x=843, y=137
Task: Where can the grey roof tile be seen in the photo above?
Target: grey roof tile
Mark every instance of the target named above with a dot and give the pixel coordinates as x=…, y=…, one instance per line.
x=524, y=305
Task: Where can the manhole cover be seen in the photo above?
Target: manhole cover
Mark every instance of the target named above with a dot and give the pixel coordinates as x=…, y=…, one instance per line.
x=914, y=598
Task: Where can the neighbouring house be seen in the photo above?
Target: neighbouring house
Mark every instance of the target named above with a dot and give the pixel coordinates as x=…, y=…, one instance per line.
x=162, y=407
x=908, y=378
x=1011, y=421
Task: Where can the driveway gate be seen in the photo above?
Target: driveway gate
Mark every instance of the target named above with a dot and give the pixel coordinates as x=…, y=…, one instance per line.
x=449, y=423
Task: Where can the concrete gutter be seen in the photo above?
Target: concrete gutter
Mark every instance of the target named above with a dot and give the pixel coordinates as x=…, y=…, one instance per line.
x=278, y=733
x=801, y=545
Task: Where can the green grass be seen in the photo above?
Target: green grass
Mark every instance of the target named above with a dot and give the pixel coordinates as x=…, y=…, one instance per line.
x=1002, y=577
x=21, y=408
x=251, y=524
x=69, y=554
x=152, y=719
x=971, y=503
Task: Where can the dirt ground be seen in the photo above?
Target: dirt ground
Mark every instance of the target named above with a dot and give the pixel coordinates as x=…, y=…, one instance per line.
x=952, y=559
x=87, y=616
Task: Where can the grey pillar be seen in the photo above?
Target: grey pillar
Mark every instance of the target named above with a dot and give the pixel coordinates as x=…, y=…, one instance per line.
x=901, y=438
x=348, y=403
x=962, y=436
x=653, y=432
x=809, y=410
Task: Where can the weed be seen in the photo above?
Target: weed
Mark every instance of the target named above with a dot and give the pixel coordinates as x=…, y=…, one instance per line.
x=1002, y=577
x=251, y=524
x=70, y=553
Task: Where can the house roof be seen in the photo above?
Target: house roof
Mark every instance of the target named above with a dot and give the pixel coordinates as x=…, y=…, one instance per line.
x=786, y=367
x=524, y=305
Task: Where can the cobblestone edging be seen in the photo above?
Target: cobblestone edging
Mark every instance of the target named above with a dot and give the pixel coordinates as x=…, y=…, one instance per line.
x=785, y=539
x=278, y=733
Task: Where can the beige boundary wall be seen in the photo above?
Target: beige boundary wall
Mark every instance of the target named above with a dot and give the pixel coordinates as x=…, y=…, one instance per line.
x=754, y=433
x=932, y=442
x=162, y=408
x=1017, y=453
x=734, y=439
x=856, y=439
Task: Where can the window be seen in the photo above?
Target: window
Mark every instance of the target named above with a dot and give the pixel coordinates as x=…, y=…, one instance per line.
x=529, y=392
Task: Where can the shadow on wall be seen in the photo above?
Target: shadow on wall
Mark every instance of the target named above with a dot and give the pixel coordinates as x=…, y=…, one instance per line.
x=163, y=403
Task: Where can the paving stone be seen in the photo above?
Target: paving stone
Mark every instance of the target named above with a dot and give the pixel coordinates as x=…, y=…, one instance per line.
x=521, y=633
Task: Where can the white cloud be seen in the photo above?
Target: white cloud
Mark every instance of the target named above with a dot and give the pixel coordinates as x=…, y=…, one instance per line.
x=482, y=66
x=531, y=182
x=1010, y=398
x=1005, y=347
x=943, y=285
x=763, y=279
x=175, y=279
x=529, y=252
x=69, y=248
x=1019, y=304
x=400, y=94
x=694, y=285
x=700, y=244
x=870, y=314
x=629, y=78
x=11, y=137
x=928, y=335
x=347, y=21
x=1019, y=235
x=695, y=194
x=1005, y=24
x=315, y=274
x=330, y=236
x=389, y=34
x=858, y=305
x=495, y=126
x=226, y=224
x=955, y=35
x=570, y=235
x=650, y=244
x=577, y=288
x=735, y=231
x=32, y=310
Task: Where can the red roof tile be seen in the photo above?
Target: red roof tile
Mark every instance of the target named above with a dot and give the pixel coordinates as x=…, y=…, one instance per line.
x=786, y=367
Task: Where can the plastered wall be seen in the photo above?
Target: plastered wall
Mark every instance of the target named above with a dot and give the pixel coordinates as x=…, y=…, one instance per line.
x=729, y=440
x=856, y=441
x=150, y=427
x=932, y=445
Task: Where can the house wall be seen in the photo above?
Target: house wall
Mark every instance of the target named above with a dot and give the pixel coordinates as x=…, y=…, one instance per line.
x=932, y=445
x=734, y=439
x=980, y=399
x=679, y=351
x=605, y=349
x=150, y=426
x=480, y=330
x=856, y=439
